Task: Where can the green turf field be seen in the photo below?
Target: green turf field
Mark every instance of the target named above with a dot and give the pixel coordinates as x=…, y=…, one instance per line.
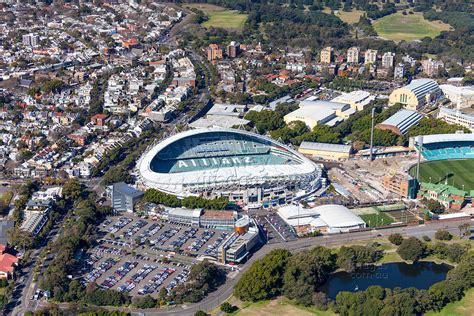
x=457, y=172
x=228, y=19
x=408, y=27
x=375, y=220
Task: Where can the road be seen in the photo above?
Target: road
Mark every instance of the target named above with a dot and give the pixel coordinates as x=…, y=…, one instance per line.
x=225, y=291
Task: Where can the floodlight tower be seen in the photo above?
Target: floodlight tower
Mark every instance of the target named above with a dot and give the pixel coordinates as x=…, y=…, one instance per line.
x=372, y=136
x=420, y=149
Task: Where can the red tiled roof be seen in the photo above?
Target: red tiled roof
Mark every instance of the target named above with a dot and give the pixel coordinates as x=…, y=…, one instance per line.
x=7, y=261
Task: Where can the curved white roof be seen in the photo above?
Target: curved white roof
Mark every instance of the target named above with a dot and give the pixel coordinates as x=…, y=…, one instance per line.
x=444, y=138
x=338, y=216
x=224, y=177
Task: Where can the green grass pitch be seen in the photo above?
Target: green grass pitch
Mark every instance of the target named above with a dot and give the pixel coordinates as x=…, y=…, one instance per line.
x=408, y=27
x=457, y=172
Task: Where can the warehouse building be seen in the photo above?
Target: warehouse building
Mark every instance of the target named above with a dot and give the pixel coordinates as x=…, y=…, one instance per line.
x=417, y=94
x=325, y=150
x=400, y=122
x=331, y=218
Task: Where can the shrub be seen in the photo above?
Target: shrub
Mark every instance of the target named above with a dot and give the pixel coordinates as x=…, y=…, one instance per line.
x=226, y=307
x=443, y=235
x=396, y=239
x=426, y=238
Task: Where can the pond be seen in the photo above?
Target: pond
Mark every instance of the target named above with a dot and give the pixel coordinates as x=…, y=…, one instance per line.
x=420, y=275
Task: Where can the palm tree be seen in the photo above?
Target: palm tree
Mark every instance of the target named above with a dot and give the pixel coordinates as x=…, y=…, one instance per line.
x=464, y=229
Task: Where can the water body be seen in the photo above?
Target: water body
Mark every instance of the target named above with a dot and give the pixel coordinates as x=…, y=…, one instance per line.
x=420, y=275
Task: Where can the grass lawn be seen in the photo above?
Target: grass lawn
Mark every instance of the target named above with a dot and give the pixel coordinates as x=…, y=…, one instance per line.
x=220, y=16
x=458, y=172
x=409, y=27
x=6, y=197
x=228, y=19
x=280, y=306
x=464, y=307
x=351, y=17
x=374, y=220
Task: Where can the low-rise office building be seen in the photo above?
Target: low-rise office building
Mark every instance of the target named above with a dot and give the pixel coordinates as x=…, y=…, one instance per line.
x=124, y=196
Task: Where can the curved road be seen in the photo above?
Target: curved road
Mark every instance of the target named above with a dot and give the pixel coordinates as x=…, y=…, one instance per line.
x=225, y=291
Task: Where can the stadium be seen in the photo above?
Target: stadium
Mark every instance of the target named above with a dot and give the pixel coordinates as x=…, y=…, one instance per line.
x=448, y=159
x=243, y=166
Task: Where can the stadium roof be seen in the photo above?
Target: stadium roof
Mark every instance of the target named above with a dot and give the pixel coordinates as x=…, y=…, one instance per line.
x=326, y=147
x=403, y=120
x=420, y=87
x=219, y=158
x=446, y=138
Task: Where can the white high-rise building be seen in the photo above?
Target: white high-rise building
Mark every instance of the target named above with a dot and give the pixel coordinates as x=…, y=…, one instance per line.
x=388, y=60
x=30, y=39
x=371, y=56
x=399, y=71
x=353, y=55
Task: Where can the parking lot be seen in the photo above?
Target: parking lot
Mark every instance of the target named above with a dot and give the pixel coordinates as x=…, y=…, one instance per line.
x=140, y=256
x=276, y=228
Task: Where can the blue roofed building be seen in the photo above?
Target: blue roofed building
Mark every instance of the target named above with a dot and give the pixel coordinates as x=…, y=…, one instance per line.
x=400, y=122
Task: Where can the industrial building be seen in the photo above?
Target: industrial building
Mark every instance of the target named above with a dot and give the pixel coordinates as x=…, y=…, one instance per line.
x=124, y=196
x=400, y=122
x=329, y=218
x=325, y=150
x=417, y=94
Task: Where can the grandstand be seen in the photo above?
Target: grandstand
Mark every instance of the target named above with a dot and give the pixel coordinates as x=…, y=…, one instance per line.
x=445, y=146
x=240, y=165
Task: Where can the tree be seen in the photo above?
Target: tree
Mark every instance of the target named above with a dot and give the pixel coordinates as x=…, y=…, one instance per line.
x=200, y=313
x=349, y=258
x=435, y=206
x=146, y=301
x=305, y=272
x=226, y=307
x=396, y=239
x=442, y=234
x=464, y=230
x=411, y=249
x=264, y=279
x=72, y=189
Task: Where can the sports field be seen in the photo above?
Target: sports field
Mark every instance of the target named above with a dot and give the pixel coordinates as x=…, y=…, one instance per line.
x=408, y=27
x=457, y=172
x=228, y=19
x=376, y=220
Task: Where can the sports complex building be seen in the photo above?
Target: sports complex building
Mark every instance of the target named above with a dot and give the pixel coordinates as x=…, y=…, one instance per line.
x=215, y=162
